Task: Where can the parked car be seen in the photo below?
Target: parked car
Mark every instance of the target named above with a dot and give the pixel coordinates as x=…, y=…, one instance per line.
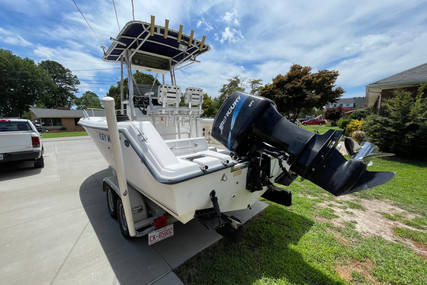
x=20, y=141
x=40, y=128
x=300, y=120
x=314, y=122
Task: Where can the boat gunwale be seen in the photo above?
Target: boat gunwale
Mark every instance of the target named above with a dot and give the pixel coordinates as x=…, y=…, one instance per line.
x=159, y=178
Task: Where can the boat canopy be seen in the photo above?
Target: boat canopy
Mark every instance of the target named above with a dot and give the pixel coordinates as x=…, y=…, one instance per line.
x=154, y=48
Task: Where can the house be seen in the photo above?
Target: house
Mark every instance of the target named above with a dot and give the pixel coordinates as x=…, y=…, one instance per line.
x=61, y=119
x=355, y=102
x=408, y=80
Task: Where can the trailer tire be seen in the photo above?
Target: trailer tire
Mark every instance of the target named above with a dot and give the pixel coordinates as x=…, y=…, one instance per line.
x=111, y=201
x=122, y=219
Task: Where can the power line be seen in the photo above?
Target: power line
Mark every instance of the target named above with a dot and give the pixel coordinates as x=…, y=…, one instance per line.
x=115, y=11
x=87, y=22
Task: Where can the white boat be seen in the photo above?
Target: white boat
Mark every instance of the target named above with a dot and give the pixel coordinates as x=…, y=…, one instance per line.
x=168, y=160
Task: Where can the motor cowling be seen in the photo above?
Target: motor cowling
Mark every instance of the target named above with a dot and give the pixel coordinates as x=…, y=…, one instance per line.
x=246, y=124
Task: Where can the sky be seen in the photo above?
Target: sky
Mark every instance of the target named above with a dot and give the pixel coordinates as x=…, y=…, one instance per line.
x=365, y=41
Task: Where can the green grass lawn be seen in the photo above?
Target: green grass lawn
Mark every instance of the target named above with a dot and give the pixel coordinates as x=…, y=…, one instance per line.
x=290, y=245
x=63, y=135
x=320, y=129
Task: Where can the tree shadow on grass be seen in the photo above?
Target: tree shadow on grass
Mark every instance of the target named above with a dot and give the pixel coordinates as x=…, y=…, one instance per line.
x=265, y=254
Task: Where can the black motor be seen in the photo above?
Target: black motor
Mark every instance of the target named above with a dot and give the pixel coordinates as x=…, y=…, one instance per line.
x=248, y=125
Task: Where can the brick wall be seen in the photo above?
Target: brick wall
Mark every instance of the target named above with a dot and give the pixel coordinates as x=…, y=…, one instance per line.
x=70, y=125
x=389, y=93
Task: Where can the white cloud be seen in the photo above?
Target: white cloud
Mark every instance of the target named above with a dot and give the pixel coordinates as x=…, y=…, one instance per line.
x=364, y=40
x=44, y=52
x=93, y=73
x=31, y=7
x=231, y=18
x=204, y=24
x=379, y=59
x=230, y=35
x=13, y=39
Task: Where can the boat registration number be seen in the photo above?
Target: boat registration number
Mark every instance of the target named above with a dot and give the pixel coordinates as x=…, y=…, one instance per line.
x=1, y=156
x=160, y=234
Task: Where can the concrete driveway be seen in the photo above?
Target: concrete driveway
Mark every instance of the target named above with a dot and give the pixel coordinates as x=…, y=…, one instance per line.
x=55, y=228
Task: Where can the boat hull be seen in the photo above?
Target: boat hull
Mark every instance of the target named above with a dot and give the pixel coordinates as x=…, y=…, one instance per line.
x=182, y=198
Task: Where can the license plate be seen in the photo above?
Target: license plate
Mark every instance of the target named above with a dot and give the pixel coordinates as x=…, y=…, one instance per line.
x=160, y=234
x=1, y=156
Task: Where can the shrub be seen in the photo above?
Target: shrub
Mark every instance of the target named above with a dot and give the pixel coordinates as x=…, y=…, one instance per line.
x=354, y=125
x=358, y=136
x=63, y=129
x=402, y=126
x=342, y=124
x=333, y=114
x=359, y=114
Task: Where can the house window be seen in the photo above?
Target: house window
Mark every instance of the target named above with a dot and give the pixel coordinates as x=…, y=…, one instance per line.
x=51, y=122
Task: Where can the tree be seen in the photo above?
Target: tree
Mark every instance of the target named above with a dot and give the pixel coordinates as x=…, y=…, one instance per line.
x=401, y=128
x=333, y=114
x=139, y=77
x=210, y=107
x=22, y=83
x=234, y=84
x=88, y=100
x=301, y=89
x=255, y=85
x=359, y=114
x=65, y=84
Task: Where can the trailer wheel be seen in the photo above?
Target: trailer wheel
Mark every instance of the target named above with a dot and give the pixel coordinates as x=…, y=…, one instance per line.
x=111, y=201
x=122, y=219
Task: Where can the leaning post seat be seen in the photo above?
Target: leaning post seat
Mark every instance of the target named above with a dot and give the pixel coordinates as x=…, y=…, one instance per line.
x=194, y=97
x=170, y=96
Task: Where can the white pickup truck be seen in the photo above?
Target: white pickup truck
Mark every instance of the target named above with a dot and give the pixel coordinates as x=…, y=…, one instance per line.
x=20, y=141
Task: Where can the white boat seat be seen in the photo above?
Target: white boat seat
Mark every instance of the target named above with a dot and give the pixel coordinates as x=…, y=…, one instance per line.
x=170, y=95
x=193, y=97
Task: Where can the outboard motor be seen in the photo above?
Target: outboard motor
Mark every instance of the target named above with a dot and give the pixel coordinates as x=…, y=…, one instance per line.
x=253, y=129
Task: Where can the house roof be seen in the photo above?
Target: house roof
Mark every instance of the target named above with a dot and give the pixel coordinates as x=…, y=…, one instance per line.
x=357, y=101
x=57, y=113
x=345, y=101
x=411, y=77
x=415, y=75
